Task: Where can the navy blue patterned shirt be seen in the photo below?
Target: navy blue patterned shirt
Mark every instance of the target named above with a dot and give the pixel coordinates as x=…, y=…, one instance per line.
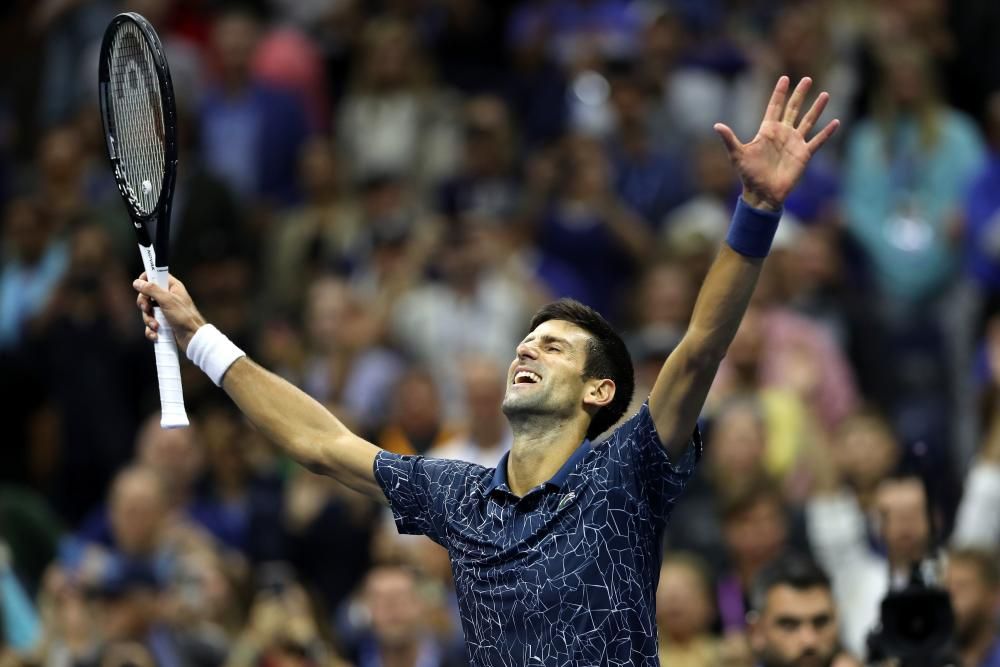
x=565, y=575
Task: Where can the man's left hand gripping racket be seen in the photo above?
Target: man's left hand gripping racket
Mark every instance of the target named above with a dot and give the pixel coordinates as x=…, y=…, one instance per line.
x=140, y=125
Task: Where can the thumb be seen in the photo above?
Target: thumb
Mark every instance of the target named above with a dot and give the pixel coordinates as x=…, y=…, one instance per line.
x=733, y=144
x=150, y=289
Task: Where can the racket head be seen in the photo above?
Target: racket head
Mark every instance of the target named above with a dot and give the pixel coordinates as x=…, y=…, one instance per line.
x=140, y=124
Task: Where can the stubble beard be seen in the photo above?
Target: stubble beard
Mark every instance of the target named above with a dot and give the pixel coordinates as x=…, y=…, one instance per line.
x=811, y=659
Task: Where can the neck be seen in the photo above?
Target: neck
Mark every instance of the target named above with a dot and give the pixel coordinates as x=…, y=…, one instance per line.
x=400, y=655
x=541, y=446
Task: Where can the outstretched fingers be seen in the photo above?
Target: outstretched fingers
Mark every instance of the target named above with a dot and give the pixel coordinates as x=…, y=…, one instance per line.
x=795, y=102
x=815, y=111
x=817, y=142
x=777, y=103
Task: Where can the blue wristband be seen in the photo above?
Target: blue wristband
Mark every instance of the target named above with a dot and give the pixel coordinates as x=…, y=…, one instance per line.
x=752, y=230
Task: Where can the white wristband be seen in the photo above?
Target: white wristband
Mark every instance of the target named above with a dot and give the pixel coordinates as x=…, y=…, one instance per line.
x=212, y=352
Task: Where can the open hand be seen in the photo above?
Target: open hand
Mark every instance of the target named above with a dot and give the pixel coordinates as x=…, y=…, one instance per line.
x=772, y=163
x=177, y=307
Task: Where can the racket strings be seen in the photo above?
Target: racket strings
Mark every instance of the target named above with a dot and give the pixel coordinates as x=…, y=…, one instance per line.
x=137, y=113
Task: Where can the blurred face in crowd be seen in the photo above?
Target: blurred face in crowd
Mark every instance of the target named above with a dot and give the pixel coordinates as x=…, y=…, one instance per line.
x=553, y=357
x=758, y=533
x=389, y=56
x=173, y=453
x=483, y=381
x=666, y=296
x=866, y=451
x=589, y=171
x=713, y=173
x=796, y=628
x=902, y=514
x=234, y=38
x=907, y=74
x=26, y=231
x=318, y=169
x=395, y=606
x=799, y=37
x=738, y=441
x=138, y=509
x=974, y=599
x=60, y=154
x=336, y=319
x=417, y=405
x=683, y=602
x=487, y=136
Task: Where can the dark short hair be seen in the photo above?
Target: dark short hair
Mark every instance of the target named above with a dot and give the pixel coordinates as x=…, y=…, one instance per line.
x=737, y=499
x=794, y=570
x=607, y=357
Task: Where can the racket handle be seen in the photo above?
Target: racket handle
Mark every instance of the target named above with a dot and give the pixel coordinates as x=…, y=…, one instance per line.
x=168, y=368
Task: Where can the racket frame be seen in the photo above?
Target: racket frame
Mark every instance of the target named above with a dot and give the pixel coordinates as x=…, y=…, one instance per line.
x=154, y=249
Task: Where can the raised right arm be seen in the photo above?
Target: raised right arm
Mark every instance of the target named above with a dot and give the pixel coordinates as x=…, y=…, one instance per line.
x=286, y=415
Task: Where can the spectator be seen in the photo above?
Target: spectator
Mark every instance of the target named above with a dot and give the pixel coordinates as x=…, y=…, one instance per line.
x=251, y=133
x=684, y=612
x=795, y=620
x=487, y=435
x=86, y=335
x=756, y=530
x=281, y=627
x=777, y=348
x=973, y=580
x=416, y=421
x=577, y=218
x=397, y=633
x=34, y=263
x=323, y=234
x=345, y=364
x=474, y=310
x=649, y=177
x=394, y=120
x=485, y=185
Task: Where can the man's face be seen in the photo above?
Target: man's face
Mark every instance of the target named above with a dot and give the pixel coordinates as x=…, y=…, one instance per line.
x=975, y=605
x=395, y=606
x=138, y=510
x=902, y=511
x=546, y=376
x=797, y=628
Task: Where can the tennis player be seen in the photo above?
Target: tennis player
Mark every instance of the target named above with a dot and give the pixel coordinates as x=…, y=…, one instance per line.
x=555, y=552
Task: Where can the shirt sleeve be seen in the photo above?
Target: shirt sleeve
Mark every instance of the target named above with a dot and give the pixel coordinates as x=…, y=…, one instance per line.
x=647, y=465
x=423, y=492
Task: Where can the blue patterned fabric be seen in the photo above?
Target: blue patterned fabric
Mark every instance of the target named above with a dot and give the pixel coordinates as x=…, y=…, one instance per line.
x=565, y=575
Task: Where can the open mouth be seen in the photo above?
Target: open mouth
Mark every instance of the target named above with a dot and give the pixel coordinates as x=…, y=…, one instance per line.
x=526, y=377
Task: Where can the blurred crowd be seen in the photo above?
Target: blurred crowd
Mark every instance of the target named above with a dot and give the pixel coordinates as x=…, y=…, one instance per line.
x=373, y=198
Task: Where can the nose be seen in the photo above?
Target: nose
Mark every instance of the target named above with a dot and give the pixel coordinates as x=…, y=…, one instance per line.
x=808, y=637
x=524, y=350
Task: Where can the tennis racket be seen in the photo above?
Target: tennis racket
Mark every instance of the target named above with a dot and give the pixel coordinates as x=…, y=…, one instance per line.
x=140, y=126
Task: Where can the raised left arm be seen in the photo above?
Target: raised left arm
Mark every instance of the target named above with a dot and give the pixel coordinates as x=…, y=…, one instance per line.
x=769, y=167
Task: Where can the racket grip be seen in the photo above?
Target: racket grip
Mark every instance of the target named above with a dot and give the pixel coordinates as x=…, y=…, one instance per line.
x=168, y=368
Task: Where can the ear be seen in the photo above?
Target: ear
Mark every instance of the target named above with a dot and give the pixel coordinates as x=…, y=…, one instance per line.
x=598, y=393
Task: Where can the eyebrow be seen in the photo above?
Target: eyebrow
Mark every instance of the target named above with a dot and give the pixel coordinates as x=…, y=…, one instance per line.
x=549, y=338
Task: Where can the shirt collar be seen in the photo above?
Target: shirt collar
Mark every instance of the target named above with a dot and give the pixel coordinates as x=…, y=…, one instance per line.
x=557, y=480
